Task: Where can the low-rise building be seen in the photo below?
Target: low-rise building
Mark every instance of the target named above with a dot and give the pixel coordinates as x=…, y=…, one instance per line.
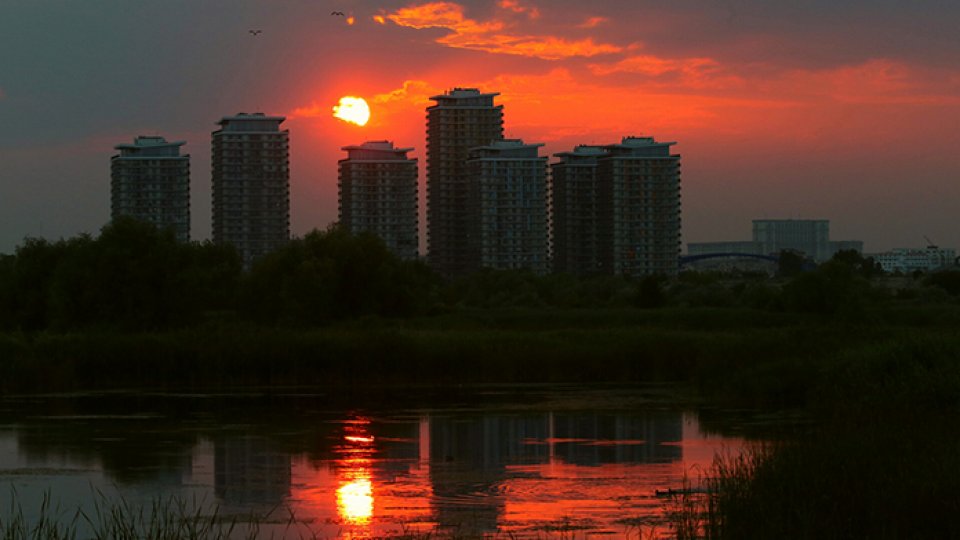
x=907, y=260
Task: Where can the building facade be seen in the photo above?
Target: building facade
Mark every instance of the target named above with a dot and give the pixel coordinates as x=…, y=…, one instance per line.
x=639, y=208
x=575, y=211
x=905, y=260
x=378, y=194
x=150, y=181
x=461, y=119
x=809, y=236
x=251, y=184
x=507, y=207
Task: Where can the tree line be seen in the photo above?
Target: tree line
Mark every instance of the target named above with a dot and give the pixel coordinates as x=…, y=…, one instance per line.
x=136, y=277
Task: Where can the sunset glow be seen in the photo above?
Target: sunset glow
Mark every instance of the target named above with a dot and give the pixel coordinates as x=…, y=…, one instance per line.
x=355, y=501
x=352, y=109
x=778, y=82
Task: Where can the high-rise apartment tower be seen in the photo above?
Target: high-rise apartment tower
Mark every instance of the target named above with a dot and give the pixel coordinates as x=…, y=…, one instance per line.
x=576, y=221
x=507, y=207
x=616, y=209
x=461, y=119
x=251, y=184
x=639, y=208
x=378, y=194
x=150, y=181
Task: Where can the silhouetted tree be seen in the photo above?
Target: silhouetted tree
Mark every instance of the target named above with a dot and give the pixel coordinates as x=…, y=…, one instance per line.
x=790, y=263
x=833, y=288
x=132, y=276
x=650, y=292
x=948, y=280
x=865, y=266
x=331, y=275
x=26, y=280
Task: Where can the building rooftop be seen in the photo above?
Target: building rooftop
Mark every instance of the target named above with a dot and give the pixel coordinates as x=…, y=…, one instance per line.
x=384, y=146
x=638, y=142
x=509, y=144
x=583, y=150
x=507, y=148
x=148, y=141
x=463, y=93
x=250, y=117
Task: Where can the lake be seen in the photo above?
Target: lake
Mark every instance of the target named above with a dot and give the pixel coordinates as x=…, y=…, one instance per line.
x=517, y=462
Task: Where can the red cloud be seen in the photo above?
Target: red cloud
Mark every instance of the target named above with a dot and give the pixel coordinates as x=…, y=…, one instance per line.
x=697, y=73
x=491, y=36
x=514, y=5
x=593, y=22
x=311, y=111
x=412, y=93
x=874, y=82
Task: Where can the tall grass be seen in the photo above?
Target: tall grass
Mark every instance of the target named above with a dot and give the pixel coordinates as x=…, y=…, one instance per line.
x=883, y=460
x=502, y=346
x=164, y=518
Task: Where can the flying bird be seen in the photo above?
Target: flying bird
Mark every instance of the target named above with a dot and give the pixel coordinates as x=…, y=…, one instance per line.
x=340, y=13
x=256, y=32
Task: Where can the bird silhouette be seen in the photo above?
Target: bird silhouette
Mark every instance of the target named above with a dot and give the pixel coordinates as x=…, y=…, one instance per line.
x=256, y=32
x=340, y=13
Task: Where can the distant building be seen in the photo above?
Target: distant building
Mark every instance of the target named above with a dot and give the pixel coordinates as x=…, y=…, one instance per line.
x=378, y=194
x=150, y=181
x=745, y=247
x=507, y=207
x=251, y=184
x=907, y=260
x=461, y=119
x=575, y=211
x=638, y=189
x=809, y=236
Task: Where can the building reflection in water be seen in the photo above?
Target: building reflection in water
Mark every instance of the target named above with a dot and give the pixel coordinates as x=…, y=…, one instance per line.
x=250, y=470
x=507, y=472
x=469, y=475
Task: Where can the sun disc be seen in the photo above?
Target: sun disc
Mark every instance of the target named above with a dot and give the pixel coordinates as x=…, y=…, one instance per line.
x=352, y=109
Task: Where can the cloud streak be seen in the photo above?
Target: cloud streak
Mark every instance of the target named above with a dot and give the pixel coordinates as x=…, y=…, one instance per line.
x=412, y=92
x=593, y=22
x=516, y=7
x=495, y=36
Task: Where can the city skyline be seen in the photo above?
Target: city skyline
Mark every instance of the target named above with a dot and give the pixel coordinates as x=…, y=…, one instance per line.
x=780, y=111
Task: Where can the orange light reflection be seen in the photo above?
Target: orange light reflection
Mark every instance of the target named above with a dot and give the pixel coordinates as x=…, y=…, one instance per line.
x=355, y=499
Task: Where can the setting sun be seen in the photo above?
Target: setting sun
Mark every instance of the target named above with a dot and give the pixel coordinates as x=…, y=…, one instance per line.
x=352, y=109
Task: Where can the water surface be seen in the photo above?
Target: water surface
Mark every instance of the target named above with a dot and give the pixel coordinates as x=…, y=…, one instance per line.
x=527, y=461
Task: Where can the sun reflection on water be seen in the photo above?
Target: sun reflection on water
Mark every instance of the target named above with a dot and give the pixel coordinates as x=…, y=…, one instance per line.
x=355, y=492
x=355, y=501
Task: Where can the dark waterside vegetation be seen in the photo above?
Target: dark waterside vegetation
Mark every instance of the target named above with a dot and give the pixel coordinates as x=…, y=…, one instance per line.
x=873, y=361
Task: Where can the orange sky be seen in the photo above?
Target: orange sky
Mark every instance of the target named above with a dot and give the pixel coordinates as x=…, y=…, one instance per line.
x=846, y=111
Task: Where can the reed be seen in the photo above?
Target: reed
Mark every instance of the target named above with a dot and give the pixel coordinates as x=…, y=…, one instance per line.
x=882, y=460
x=163, y=518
